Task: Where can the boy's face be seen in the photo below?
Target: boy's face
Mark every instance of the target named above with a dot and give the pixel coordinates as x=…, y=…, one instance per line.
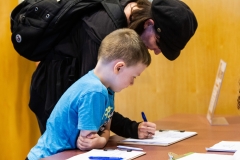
x=125, y=75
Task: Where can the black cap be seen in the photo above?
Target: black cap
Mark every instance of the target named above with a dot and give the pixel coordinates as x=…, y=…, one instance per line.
x=175, y=23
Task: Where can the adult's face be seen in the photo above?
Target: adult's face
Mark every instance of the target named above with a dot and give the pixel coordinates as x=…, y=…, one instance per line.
x=149, y=37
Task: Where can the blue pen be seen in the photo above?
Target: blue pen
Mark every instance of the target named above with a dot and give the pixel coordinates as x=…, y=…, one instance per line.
x=144, y=117
x=105, y=158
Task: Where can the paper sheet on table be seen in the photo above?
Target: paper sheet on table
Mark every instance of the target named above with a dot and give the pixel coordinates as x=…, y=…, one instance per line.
x=207, y=156
x=108, y=153
x=161, y=138
x=225, y=146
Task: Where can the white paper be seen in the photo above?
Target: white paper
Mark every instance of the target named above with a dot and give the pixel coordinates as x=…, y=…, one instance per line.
x=207, y=156
x=109, y=153
x=225, y=146
x=164, y=137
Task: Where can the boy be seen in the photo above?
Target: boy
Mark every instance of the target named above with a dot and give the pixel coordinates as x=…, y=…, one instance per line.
x=85, y=109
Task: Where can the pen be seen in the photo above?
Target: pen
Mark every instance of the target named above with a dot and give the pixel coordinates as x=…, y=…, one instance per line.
x=131, y=148
x=105, y=158
x=163, y=130
x=144, y=117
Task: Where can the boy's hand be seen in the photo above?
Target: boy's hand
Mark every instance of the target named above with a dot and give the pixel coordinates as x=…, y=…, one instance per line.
x=91, y=141
x=146, y=130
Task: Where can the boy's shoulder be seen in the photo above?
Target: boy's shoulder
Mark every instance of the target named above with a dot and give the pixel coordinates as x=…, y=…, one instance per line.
x=90, y=79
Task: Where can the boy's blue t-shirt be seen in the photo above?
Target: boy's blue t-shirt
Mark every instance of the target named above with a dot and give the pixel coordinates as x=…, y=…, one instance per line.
x=86, y=105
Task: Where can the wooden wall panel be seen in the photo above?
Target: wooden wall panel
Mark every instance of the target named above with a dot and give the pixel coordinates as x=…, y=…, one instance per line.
x=185, y=85
x=18, y=126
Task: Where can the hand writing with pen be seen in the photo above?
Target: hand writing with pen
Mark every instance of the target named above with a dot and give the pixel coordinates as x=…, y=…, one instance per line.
x=146, y=129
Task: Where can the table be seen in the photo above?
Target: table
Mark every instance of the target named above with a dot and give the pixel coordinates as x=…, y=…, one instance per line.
x=207, y=136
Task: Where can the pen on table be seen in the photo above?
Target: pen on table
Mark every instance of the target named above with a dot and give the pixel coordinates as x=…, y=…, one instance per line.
x=144, y=117
x=163, y=130
x=131, y=148
x=105, y=158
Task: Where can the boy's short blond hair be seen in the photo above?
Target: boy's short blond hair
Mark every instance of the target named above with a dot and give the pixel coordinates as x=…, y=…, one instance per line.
x=124, y=44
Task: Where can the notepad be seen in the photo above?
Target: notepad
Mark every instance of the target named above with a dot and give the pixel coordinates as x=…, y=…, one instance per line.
x=225, y=146
x=126, y=155
x=161, y=138
x=207, y=156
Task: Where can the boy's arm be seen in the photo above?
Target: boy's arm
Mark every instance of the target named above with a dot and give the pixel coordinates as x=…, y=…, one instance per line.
x=106, y=132
x=88, y=140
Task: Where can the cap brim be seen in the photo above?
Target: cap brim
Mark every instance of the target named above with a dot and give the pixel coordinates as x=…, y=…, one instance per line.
x=168, y=52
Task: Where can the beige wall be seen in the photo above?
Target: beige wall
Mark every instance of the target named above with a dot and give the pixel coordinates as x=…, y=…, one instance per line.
x=165, y=88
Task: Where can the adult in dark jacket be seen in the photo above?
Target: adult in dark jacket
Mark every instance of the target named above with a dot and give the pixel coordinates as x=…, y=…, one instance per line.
x=164, y=26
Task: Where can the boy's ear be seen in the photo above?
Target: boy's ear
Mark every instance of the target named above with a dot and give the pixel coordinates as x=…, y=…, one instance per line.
x=148, y=23
x=118, y=67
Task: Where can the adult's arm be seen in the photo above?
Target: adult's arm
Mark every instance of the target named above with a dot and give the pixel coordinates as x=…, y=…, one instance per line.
x=123, y=126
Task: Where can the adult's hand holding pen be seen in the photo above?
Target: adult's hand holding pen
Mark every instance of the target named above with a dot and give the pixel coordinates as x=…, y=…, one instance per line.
x=146, y=130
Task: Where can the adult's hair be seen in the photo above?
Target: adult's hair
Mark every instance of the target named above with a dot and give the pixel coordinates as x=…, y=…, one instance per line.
x=139, y=16
x=124, y=44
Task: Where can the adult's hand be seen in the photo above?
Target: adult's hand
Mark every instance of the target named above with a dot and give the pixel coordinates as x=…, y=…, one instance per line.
x=146, y=130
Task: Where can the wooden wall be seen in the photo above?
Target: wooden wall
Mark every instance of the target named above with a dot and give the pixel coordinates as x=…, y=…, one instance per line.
x=185, y=85
x=165, y=88
x=18, y=126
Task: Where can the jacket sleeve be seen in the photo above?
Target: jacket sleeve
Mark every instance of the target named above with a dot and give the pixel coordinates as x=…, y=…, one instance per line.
x=123, y=126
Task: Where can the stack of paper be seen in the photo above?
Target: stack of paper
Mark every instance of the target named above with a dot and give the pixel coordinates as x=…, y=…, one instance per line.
x=225, y=146
x=161, y=138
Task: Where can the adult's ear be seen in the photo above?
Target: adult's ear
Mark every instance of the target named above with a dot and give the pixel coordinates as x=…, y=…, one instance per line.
x=118, y=67
x=148, y=22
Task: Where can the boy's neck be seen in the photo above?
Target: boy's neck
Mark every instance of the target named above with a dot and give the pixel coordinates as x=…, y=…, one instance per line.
x=103, y=72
